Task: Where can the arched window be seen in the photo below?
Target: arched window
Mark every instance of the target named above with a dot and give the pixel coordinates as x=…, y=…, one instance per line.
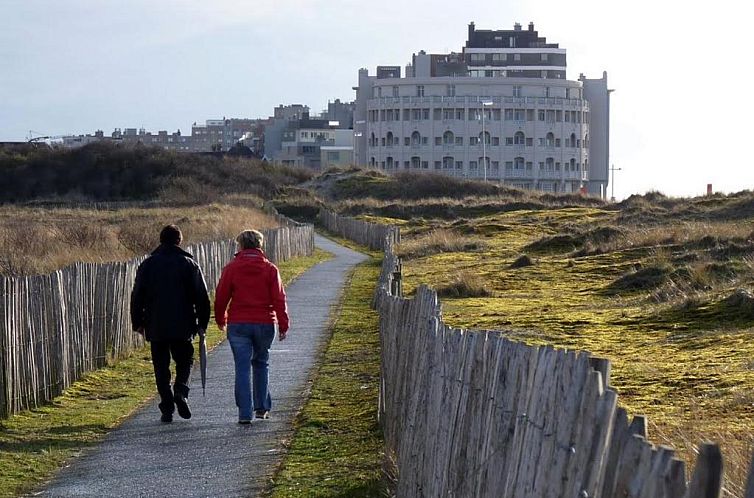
x=389, y=139
x=389, y=162
x=549, y=164
x=483, y=161
x=573, y=164
x=372, y=162
x=518, y=163
x=519, y=138
x=573, y=140
x=448, y=138
x=416, y=162
x=550, y=140
x=416, y=139
x=372, y=140
x=447, y=162
x=485, y=137
x=586, y=164
x=586, y=141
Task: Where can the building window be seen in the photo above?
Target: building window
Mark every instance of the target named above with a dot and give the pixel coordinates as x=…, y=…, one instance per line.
x=508, y=164
x=472, y=164
x=451, y=89
x=448, y=138
x=425, y=114
x=390, y=139
x=459, y=164
x=415, y=162
x=543, y=57
x=529, y=142
x=518, y=163
x=477, y=57
x=516, y=90
x=499, y=57
x=379, y=91
x=425, y=140
x=518, y=138
x=425, y=164
x=395, y=91
x=496, y=165
x=447, y=162
x=485, y=137
x=473, y=140
x=495, y=140
x=416, y=139
x=530, y=114
x=447, y=114
x=420, y=90
x=438, y=140
x=550, y=140
x=438, y=164
x=460, y=114
x=517, y=57
x=459, y=140
x=508, y=140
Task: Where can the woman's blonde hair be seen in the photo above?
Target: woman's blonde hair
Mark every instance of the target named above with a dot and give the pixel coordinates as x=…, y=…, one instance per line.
x=250, y=239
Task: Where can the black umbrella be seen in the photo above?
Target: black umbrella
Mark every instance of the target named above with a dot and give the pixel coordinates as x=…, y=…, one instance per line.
x=203, y=360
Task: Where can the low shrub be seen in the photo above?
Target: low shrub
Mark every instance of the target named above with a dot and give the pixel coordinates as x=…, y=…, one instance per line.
x=521, y=262
x=465, y=285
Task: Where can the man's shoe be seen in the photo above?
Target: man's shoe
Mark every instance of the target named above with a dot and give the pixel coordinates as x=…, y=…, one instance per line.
x=244, y=421
x=181, y=403
x=166, y=418
x=263, y=414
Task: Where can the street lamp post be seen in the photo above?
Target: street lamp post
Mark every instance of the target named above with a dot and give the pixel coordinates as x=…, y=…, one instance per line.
x=484, y=140
x=613, y=169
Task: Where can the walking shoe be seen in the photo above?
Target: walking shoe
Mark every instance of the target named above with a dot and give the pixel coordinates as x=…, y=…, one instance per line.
x=181, y=403
x=244, y=421
x=263, y=414
x=166, y=418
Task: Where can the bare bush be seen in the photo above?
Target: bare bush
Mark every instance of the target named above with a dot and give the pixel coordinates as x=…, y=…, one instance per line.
x=438, y=241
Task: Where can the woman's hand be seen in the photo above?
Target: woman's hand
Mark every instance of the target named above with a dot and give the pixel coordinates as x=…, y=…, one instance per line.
x=282, y=335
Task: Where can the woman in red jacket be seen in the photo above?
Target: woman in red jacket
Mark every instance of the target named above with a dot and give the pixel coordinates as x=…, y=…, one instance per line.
x=252, y=286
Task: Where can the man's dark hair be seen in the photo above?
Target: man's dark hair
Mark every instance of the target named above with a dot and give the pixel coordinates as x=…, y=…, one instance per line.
x=171, y=235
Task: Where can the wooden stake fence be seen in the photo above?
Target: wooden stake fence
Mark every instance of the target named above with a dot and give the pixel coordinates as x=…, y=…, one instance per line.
x=471, y=413
x=56, y=327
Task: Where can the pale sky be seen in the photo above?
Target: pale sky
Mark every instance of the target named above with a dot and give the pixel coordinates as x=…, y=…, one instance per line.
x=681, y=111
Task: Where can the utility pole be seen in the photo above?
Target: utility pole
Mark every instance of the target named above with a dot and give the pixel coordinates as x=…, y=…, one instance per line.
x=613, y=169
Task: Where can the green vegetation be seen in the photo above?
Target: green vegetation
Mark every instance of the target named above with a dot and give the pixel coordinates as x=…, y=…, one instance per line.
x=662, y=287
x=35, y=443
x=337, y=448
x=108, y=172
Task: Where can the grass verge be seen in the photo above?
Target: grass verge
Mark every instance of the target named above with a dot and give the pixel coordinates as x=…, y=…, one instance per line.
x=337, y=449
x=36, y=443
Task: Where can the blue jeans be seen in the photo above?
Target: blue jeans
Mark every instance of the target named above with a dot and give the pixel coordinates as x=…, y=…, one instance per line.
x=250, y=343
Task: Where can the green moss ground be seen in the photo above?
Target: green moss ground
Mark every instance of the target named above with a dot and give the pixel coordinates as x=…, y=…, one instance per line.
x=691, y=371
x=338, y=449
x=35, y=443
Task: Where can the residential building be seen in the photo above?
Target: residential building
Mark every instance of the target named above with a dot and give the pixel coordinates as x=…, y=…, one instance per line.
x=501, y=110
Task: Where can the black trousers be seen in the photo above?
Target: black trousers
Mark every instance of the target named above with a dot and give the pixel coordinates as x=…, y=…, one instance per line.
x=183, y=355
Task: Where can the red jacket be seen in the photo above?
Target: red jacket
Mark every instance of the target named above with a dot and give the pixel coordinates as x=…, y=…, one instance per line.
x=252, y=285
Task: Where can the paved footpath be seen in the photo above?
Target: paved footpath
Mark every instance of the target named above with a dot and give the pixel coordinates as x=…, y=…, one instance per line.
x=211, y=454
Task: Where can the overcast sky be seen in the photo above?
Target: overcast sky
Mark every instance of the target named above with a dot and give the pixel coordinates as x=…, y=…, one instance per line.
x=682, y=108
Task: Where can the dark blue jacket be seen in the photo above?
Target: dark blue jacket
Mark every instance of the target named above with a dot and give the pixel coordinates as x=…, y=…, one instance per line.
x=169, y=298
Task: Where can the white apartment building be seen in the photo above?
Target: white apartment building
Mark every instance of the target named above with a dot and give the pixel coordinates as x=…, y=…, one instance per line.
x=500, y=110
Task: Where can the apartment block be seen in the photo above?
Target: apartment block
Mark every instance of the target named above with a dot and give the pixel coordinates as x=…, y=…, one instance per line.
x=501, y=110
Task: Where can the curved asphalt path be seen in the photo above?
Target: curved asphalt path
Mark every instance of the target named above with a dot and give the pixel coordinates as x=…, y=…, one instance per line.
x=210, y=454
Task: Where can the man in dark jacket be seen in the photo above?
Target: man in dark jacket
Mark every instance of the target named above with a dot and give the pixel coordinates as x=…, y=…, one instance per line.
x=169, y=305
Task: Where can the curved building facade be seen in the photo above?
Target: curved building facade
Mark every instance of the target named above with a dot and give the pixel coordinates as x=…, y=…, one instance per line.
x=505, y=114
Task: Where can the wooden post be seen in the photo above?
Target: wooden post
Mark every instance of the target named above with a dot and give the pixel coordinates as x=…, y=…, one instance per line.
x=708, y=473
x=750, y=482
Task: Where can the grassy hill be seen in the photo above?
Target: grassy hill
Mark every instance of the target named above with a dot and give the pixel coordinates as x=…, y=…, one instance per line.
x=660, y=286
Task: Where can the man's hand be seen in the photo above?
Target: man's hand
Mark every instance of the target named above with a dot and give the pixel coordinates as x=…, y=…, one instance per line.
x=201, y=332
x=223, y=328
x=282, y=335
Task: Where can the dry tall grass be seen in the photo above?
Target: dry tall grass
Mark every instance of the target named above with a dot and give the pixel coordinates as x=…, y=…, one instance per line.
x=437, y=241
x=38, y=240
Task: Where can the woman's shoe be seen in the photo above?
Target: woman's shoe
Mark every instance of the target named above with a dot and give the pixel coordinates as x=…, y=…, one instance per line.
x=263, y=414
